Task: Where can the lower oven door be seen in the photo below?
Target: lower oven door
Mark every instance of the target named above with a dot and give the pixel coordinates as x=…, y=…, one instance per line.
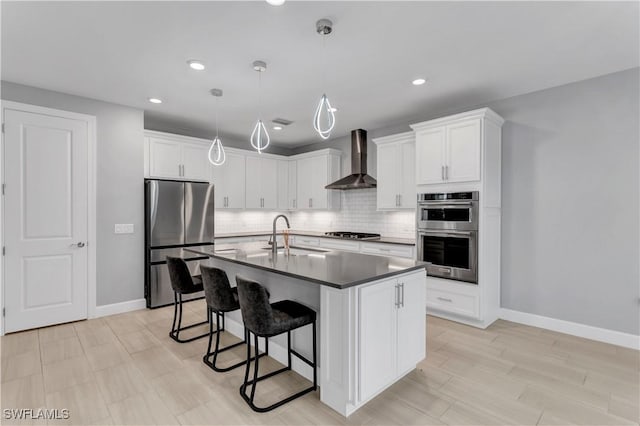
x=450, y=254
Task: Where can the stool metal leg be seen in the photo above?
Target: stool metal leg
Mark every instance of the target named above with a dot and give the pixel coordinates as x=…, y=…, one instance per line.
x=249, y=399
x=213, y=363
x=177, y=312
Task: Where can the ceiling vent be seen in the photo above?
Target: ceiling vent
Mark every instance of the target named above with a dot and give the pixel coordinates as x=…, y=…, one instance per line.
x=281, y=121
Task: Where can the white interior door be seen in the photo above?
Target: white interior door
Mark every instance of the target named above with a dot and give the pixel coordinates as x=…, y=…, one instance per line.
x=46, y=219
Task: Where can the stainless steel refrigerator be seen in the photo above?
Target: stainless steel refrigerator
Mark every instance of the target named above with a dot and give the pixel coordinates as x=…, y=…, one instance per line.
x=178, y=214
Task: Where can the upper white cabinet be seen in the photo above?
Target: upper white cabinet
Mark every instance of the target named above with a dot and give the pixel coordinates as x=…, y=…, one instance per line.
x=176, y=157
x=283, y=184
x=292, y=185
x=229, y=180
x=261, y=183
x=314, y=171
x=396, y=172
x=450, y=149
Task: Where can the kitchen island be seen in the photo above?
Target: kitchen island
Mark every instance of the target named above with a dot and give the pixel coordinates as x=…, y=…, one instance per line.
x=371, y=313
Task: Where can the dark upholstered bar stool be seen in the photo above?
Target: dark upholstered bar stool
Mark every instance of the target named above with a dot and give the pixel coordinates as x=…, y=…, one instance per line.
x=266, y=320
x=221, y=298
x=182, y=283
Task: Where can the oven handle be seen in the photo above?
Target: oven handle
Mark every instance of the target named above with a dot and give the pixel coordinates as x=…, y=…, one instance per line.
x=445, y=233
x=445, y=203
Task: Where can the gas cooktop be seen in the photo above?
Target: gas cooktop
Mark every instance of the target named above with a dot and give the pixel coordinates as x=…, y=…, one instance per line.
x=353, y=235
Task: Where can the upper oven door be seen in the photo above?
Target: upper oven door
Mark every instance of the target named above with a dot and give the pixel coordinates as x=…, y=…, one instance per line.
x=452, y=215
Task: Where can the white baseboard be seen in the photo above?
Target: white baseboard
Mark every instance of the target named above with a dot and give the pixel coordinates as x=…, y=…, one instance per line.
x=119, y=308
x=575, y=329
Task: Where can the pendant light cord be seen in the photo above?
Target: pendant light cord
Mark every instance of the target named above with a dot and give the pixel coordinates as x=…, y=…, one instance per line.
x=217, y=107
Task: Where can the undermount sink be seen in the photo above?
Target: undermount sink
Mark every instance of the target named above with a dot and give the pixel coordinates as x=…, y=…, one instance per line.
x=297, y=251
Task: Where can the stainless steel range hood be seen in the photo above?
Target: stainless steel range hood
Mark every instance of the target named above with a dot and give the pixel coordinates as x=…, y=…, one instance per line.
x=358, y=179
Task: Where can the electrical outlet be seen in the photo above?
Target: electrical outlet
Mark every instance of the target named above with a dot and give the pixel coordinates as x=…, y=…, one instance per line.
x=123, y=228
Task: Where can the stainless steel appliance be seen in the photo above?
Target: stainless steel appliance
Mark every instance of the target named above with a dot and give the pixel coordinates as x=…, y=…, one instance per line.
x=358, y=179
x=447, y=234
x=178, y=214
x=353, y=235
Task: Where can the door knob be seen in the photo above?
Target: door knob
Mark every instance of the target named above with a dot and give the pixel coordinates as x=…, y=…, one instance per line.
x=80, y=244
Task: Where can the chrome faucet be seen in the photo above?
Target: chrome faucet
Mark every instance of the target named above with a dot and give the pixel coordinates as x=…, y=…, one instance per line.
x=274, y=243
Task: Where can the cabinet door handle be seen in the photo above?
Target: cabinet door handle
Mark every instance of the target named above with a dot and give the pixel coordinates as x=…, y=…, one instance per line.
x=446, y=172
x=442, y=172
x=402, y=300
x=445, y=299
x=294, y=203
x=399, y=200
x=397, y=302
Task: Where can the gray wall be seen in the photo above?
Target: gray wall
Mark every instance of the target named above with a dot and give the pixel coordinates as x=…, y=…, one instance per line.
x=570, y=182
x=570, y=202
x=120, y=258
x=169, y=125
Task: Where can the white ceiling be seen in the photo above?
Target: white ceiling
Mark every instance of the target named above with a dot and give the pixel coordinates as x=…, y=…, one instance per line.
x=471, y=53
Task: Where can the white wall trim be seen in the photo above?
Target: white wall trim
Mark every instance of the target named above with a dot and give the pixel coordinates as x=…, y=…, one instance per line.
x=119, y=308
x=91, y=188
x=573, y=328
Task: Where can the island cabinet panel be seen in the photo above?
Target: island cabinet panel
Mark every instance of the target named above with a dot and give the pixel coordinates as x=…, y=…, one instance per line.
x=378, y=334
x=372, y=335
x=411, y=322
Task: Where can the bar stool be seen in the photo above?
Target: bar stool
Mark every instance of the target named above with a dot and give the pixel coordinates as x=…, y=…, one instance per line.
x=267, y=320
x=183, y=283
x=221, y=298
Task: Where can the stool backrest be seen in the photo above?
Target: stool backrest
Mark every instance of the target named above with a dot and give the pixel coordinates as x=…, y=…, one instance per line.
x=254, y=305
x=179, y=274
x=217, y=289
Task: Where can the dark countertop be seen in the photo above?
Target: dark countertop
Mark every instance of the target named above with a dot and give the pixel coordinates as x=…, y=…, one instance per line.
x=336, y=269
x=384, y=240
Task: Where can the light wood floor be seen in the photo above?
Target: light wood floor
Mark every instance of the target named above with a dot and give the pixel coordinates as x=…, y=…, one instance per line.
x=124, y=369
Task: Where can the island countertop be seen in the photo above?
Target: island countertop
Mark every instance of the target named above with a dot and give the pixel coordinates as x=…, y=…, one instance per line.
x=338, y=269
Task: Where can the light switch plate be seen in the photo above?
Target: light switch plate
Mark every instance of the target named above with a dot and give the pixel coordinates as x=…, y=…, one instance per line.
x=123, y=228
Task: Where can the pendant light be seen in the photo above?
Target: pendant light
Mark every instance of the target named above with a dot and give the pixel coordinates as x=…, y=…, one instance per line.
x=216, y=151
x=259, y=137
x=324, y=119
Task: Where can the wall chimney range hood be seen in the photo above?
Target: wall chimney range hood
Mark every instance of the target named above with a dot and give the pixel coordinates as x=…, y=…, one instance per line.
x=358, y=179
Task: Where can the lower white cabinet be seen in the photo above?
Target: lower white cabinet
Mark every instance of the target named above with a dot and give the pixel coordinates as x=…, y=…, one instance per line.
x=453, y=297
x=371, y=335
x=392, y=319
x=384, y=249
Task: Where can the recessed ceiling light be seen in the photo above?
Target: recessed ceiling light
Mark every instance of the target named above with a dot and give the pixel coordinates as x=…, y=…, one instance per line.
x=276, y=2
x=196, y=65
x=155, y=100
x=277, y=127
x=418, y=81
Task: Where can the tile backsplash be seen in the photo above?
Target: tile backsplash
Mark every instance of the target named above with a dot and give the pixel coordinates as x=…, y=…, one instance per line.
x=358, y=214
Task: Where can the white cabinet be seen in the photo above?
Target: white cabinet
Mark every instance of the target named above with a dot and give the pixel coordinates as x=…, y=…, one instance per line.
x=314, y=171
x=396, y=172
x=449, y=153
x=229, y=181
x=165, y=158
x=384, y=249
x=391, y=341
x=283, y=184
x=261, y=183
x=292, y=186
x=171, y=157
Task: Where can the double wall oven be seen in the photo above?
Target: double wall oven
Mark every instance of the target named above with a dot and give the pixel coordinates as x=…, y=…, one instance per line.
x=447, y=228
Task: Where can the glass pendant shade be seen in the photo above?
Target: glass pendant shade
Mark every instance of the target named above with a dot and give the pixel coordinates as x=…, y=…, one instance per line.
x=260, y=137
x=324, y=119
x=216, y=152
